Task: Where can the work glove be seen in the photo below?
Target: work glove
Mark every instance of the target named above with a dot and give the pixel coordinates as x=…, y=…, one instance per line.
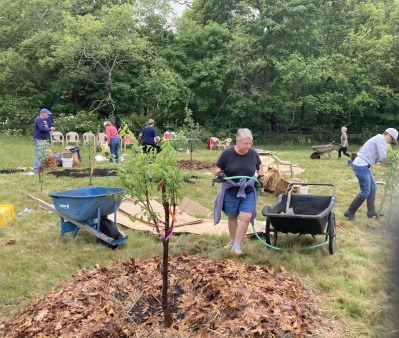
x=259, y=182
x=221, y=177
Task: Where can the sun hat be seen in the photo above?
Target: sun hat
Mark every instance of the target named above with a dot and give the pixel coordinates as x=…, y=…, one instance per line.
x=151, y=121
x=45, y=110
x=394, y=133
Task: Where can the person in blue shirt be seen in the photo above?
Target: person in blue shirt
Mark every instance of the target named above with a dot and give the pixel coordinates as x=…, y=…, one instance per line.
x=373, y=151
x=149, y=137
x=41, y=133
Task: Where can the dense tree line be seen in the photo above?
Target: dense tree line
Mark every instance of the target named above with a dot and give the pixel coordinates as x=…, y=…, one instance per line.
x=275, y=66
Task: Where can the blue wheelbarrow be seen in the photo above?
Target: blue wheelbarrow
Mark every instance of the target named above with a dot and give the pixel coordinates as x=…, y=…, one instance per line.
x=88, y=209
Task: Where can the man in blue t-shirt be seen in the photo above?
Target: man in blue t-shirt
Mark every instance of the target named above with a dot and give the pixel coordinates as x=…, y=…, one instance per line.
x=41, y=133
x=149, y=136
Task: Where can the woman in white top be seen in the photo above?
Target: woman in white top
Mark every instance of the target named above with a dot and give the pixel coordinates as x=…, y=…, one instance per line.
x=344, y=143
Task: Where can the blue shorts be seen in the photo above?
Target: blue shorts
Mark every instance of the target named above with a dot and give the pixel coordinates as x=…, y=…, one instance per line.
x=233, y=205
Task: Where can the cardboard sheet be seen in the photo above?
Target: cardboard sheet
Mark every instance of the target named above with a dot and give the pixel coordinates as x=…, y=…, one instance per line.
x=185, y=222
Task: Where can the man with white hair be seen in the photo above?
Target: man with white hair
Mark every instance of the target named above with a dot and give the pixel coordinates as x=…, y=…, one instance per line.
x=149, y=136
x=373, y=151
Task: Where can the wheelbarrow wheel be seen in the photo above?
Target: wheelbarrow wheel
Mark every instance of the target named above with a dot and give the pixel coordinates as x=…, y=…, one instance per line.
x=315, y=155
x=331, y=233
x=271, y=234
x=108, y=228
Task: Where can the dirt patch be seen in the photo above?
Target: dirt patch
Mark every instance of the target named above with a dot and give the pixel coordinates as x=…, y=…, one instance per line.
x=97, y=172
x=101, y=172
x=11, y=171
x=207, y=299
x=195, y=165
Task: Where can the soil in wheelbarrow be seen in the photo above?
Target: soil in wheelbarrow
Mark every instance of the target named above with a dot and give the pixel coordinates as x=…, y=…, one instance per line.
x=207, y=299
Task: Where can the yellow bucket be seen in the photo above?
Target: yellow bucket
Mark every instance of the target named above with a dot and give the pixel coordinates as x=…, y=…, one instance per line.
x=7, y=214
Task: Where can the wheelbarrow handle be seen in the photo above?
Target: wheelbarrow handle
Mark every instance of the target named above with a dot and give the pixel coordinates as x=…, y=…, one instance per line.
x=291, y=185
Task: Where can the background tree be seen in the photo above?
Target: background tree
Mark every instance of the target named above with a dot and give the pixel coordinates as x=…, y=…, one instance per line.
x=314, y=65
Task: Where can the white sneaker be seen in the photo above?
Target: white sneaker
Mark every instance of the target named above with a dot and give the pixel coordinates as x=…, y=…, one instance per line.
x=238, y=252
x=228, y=246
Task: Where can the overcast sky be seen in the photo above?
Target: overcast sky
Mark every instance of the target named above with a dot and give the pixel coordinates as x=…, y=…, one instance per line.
x=178, y=9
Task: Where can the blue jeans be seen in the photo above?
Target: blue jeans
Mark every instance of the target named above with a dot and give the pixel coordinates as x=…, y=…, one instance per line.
x=366, y=180
x=233, y=205
x=114, y=149
x=40, y=151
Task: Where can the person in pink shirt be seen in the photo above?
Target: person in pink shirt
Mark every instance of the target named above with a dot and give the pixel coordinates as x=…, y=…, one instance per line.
x=114, y=141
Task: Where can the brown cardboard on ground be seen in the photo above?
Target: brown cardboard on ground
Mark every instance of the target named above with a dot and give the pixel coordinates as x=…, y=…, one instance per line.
x=192, y=208
x=129, y=208
x=185, y=222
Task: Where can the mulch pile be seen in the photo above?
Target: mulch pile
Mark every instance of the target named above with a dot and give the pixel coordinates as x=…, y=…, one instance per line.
x=208, y=299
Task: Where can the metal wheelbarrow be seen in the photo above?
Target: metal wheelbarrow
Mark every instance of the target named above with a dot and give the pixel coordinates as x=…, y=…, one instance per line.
x=323, y=149
x=87, y=209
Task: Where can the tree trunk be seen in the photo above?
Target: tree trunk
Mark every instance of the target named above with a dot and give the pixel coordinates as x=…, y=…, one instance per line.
x=167, y=314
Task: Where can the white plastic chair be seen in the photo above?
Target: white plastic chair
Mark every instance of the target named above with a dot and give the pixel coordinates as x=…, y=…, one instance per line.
x=88, y=137
x=72, y=137
x=225, y=144
x=214, y=144
x=102, y=138
x=127, y=140
x=56, y=137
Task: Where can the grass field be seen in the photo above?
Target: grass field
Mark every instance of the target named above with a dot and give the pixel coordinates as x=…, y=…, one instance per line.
x=353, y=285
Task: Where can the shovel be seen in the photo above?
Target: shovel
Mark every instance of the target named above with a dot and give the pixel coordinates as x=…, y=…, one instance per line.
x=288, y=210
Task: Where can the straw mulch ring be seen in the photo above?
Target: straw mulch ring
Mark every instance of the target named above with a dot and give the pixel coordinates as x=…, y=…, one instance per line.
x=207, y=299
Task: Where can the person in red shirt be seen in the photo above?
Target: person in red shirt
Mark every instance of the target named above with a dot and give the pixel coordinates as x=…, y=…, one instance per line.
x=114, y=141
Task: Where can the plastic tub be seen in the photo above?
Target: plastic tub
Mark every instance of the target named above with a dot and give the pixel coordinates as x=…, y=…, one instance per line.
x=67, y=162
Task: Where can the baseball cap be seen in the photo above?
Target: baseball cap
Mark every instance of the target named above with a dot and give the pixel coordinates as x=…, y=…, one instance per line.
x=394, y=133
x=44, y=110
x=150, y=121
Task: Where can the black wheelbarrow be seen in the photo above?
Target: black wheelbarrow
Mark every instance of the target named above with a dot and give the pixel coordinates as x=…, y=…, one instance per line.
x=88, y=209
x=301, y=214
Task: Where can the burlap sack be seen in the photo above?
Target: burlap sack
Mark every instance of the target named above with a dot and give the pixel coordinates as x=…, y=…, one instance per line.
x=271, y=178
x=75, y=157
x=282, y=185
x=49, y=161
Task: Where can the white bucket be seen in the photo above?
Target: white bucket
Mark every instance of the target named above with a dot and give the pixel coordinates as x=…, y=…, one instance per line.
x=67, y=162
x=304, y=190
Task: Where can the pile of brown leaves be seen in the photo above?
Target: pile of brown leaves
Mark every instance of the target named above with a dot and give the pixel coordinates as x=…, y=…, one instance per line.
x=195, y=165
x=208, y=299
